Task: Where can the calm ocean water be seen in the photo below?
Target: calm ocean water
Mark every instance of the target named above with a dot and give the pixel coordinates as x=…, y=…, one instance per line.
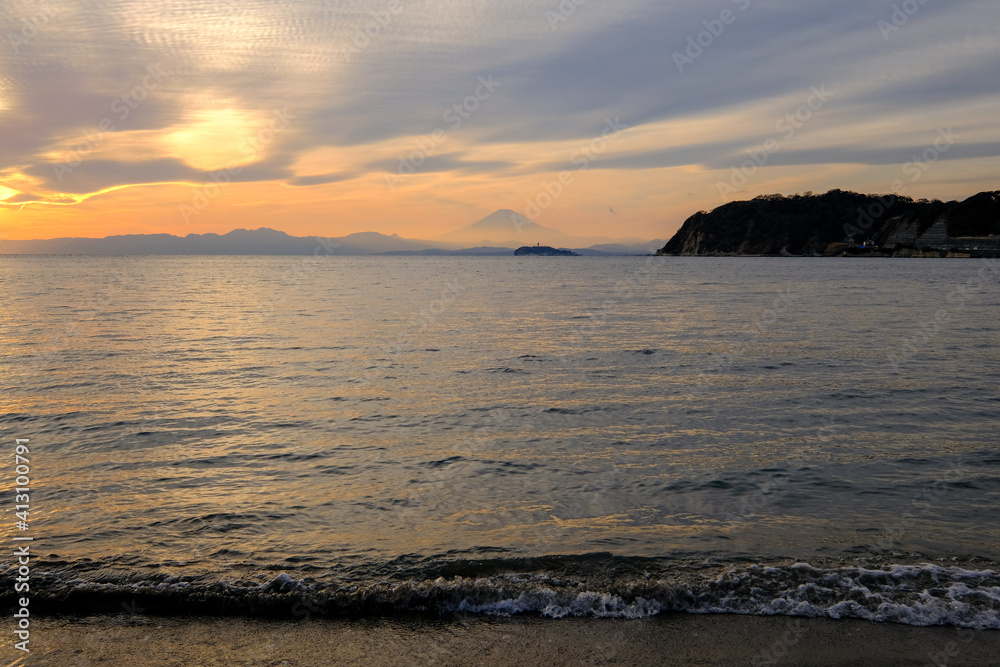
x=588, y=436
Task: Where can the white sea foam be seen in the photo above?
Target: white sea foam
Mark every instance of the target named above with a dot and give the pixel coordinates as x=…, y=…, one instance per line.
x=924, y=594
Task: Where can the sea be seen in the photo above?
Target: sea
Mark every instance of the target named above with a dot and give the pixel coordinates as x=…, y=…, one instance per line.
x=597, y=437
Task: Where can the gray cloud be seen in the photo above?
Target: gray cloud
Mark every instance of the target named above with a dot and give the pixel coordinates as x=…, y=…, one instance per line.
x=453, y=161
x=21, y=198
x=95, y=175
x=866, y=155
x=350, y=89
x=320, y=179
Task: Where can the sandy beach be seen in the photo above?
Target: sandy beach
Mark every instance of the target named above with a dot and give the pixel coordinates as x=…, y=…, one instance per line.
x=675, y=639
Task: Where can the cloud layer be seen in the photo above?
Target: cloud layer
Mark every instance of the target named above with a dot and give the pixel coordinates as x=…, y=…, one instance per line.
x=385, y=107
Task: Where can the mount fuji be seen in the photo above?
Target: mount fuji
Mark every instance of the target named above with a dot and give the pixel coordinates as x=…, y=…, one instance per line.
x=508, y=228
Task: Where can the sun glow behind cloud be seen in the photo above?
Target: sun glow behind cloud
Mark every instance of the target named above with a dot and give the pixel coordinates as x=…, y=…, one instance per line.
x=215, y=139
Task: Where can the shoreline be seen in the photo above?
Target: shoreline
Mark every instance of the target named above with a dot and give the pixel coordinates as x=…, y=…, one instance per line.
x=668, y=639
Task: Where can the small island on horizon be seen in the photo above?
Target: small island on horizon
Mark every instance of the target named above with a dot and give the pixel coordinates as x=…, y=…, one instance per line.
x=545, y=251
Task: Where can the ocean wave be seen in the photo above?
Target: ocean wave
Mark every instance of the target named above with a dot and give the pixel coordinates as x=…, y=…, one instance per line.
x=596, y=585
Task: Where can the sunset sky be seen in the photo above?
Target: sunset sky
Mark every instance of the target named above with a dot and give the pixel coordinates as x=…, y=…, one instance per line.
x=417, y=117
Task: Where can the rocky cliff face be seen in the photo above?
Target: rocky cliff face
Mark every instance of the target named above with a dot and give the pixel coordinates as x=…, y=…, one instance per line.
x=833, y=222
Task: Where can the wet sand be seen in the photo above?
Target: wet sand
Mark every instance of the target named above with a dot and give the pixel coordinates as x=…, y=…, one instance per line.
x=675, y=639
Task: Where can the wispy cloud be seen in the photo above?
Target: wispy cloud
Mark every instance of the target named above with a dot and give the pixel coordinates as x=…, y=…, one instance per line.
x=133, y=93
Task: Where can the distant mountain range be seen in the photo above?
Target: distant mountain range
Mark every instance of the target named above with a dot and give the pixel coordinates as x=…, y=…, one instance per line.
x=497, y=234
